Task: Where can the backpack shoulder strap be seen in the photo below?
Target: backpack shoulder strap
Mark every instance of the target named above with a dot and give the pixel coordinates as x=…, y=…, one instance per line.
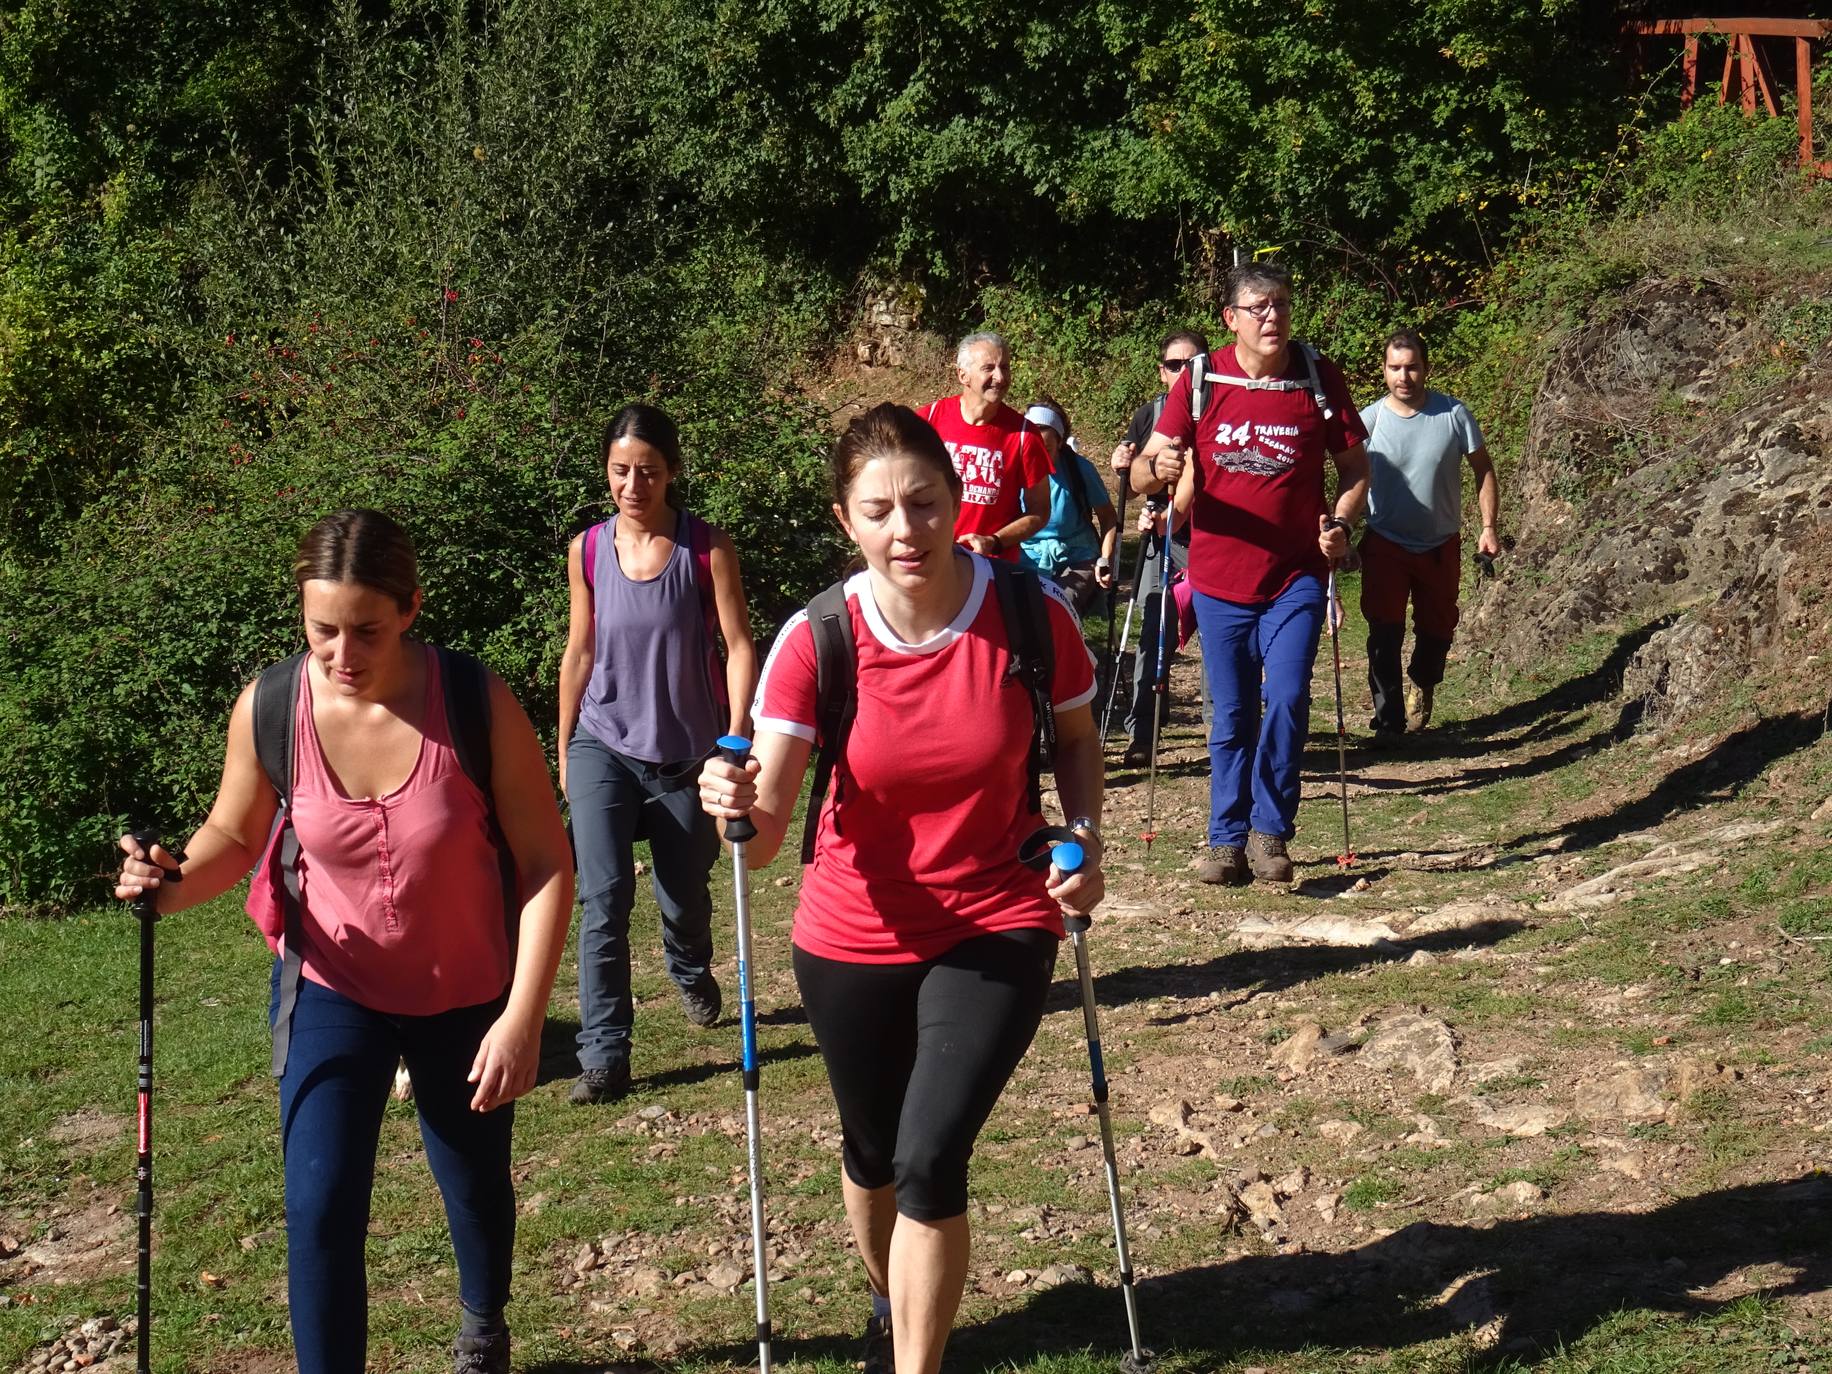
x=1315, y=381
x=1027, y=631
x=1200, y=377
x=1157, y=408
x=836, y=698
x=276, y=707
x=699, y=543
x=588, y=552
x=467, y=717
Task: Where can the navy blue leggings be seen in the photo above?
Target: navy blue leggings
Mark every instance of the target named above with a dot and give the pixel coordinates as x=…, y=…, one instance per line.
x=918, y=1054
x=332, y=1095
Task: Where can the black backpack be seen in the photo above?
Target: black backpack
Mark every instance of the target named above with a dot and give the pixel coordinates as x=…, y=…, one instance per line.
x=466, y=687
x=1033, y=662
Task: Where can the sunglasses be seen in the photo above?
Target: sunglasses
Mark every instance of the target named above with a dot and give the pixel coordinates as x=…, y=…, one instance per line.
x=1174, y=364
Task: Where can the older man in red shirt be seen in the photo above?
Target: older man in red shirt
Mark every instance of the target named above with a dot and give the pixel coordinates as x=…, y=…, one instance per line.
x=1003, y=465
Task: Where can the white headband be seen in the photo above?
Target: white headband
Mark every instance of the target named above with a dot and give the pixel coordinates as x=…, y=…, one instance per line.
x=1046, y=415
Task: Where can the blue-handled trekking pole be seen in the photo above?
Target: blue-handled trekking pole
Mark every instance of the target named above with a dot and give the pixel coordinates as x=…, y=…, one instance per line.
x=146, y=910
x=736, y=750
x=1068, y=856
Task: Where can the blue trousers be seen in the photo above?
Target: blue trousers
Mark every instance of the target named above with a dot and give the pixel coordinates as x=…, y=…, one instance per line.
x=615, y=801
x=1259, y=661
x=338, y=1072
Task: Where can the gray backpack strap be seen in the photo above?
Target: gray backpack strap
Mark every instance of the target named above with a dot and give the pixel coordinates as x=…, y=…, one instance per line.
x=1200, y=377
x=1027, y=632
x=466, y=684
x=276, y=708
x=836, y=699
x=1316, y=382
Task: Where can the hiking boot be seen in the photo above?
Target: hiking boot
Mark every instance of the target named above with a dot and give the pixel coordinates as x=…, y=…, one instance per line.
x=1224, y=864
x=1385, y=737
x=1418, y=706
x=702, y=1002
x=1136, y=756
x=1267, y=857
x=481, y=1354
x=880, y=1356
x=594, y=1086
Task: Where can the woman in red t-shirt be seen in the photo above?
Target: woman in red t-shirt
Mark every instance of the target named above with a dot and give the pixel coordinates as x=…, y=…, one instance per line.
x=923, y=948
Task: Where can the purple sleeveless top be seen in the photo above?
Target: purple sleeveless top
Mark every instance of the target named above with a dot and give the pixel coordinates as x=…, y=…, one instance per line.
x=650, y=695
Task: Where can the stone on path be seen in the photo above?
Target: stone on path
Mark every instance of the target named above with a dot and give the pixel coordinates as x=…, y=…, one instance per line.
x=1630, y=1093
x=1344, y=932
x=1606, y=889
x=1524, y=1120
x=1422, y=1044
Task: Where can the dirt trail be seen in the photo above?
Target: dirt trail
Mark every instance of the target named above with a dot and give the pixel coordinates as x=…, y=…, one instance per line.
x=1531, y=1060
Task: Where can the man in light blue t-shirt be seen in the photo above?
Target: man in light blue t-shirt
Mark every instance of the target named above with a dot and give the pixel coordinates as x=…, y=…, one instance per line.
x=1418, y=441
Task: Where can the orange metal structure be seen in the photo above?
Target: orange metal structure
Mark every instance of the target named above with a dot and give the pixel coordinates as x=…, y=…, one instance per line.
x=1748, y=76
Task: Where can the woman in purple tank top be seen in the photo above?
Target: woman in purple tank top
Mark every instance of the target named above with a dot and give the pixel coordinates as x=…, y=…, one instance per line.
x=397, y=945
x=642, y=698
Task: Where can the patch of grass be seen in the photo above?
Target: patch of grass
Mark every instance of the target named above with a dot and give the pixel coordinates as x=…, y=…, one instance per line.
x=1370, y=1191
x=1731, y=1007
x=1246, y=1085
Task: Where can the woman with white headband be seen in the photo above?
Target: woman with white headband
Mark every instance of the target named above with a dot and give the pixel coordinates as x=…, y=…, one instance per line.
x=1076, y=545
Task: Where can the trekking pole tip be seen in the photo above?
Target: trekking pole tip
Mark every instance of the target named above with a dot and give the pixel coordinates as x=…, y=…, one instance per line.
x=1137, y=1361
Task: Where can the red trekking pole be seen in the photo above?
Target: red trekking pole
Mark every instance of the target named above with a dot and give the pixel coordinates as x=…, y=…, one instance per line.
x=1346, y=859
x=146, y=911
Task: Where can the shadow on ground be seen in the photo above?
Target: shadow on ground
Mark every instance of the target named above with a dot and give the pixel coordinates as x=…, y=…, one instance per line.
x=1259, y=970
x=1543, y=1281
x=560, y=1055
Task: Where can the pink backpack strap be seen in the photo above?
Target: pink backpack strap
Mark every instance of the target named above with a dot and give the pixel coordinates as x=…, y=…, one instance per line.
x=699, y=541
x=588, y=553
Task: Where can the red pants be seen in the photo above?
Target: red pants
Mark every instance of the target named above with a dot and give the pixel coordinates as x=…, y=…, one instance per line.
x=1390, y=574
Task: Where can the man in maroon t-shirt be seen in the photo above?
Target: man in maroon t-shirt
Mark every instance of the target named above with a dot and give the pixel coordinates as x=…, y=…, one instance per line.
x=1248, y=475
x=1004, y=468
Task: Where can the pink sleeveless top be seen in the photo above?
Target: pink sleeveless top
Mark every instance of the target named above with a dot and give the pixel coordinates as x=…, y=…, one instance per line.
x=401, y=895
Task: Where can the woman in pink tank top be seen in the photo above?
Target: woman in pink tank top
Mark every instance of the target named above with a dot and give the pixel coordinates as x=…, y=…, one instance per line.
x=398, y=944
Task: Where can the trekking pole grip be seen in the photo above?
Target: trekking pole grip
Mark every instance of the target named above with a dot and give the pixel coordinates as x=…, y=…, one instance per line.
x=1068, y=857
x=146, y=905
x=736, y=750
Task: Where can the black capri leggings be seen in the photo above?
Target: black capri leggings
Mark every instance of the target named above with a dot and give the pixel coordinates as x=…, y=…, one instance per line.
x=919, y=1053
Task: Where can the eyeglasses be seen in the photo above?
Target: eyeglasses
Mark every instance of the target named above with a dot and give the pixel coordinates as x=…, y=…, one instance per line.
x=1174, y=364
x=1265, y=310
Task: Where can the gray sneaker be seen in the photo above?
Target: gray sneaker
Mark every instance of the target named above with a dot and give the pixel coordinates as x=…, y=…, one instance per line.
x=1267, y=858
x=1224, y=864
x=594, y=1086
x=481, y=1354
x=703, y=1001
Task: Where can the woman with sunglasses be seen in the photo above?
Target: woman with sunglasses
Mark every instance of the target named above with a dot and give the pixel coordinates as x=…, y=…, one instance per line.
x=642, y=698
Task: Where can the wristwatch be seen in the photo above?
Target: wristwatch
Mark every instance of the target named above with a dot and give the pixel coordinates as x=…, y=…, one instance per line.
x=1104, y=564
x=1336, y=522
x=1085, y=823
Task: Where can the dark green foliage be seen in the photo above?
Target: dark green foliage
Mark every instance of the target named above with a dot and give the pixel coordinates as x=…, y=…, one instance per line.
x=261, y=260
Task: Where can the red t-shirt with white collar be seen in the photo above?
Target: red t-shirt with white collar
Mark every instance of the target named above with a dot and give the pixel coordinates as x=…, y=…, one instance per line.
x=996, y=462
x=917, y=848
x=1259, y=476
